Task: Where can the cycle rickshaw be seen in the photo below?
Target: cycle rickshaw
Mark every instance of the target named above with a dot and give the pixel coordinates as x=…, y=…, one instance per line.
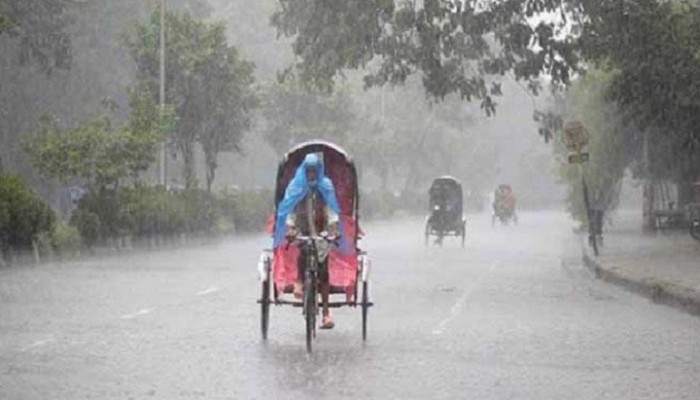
x=446, y=217
x=348, y=270
x=504, y=205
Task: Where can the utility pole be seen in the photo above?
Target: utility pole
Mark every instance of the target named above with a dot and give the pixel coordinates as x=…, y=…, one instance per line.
x=163, y=173
x=381, y=106
x=647, y=189
x=576, y=139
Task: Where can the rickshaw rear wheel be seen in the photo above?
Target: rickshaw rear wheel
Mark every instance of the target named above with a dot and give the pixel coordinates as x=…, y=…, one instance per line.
x=265, y=308
x=464, y=234
x=365, y=309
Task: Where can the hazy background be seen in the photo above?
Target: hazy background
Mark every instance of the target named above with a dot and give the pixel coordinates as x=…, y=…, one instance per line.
x=459, y=139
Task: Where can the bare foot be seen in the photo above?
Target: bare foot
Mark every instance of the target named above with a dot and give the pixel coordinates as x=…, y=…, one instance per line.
x=327, y=322
x=298, y=291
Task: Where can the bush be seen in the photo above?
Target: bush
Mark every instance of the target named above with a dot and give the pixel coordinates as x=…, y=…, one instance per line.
x=202, y=211
x=249, y=210
x=153, y=211
x=106, y=207
x=146, y=212
x=66, y=240
x=23, y=216
x=88, y=225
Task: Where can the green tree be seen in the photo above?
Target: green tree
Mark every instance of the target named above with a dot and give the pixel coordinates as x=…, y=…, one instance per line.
x=645, y=89
x=23, y=216
x=95, y=153
x=208, y=86
x=408, y=140
x=229, y=101
x=40, y=28
x=454, y=45
x=613, y=145
x=293, y=114
x=651, y=48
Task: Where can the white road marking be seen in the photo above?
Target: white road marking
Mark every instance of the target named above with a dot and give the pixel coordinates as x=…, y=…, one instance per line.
x=39, y=343
x=457, y=306
x=212, y=289
x=140, y=312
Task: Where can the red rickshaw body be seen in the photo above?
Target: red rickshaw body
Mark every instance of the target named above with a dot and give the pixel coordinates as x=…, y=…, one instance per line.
x=339, y=167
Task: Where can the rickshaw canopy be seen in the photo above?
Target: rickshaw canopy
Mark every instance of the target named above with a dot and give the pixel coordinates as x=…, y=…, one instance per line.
x=448, y=190
x=338, y=166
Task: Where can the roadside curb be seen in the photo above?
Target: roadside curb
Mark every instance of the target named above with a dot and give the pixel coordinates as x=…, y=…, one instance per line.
x=659, y=292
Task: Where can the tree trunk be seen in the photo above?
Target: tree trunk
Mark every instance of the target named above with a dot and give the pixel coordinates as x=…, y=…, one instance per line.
x=211, y=173
x=685, y=189
x=648, y=205
x=135, y=177
x=210, y=156
x=188, y=167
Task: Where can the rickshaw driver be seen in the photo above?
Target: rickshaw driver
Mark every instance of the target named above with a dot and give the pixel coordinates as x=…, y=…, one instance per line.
x=504, y=200
x=298, y=211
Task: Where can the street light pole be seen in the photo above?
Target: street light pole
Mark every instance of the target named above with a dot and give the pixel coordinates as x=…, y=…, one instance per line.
x=163, y=176
x=381, y=106
x=592, y=219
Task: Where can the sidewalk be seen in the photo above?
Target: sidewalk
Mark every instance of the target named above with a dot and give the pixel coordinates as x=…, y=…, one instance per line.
x=664, y=267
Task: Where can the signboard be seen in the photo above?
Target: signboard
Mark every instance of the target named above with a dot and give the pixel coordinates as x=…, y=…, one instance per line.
x=575, y=137
x=578, y=158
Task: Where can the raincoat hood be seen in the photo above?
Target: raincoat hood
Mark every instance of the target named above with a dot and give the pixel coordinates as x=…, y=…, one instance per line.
x=298, y=188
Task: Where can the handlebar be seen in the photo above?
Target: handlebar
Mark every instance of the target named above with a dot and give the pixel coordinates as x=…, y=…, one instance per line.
x=302, y=239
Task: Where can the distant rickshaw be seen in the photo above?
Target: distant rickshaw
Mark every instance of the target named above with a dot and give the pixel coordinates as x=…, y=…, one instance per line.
x=504, y=205
x=446, y=217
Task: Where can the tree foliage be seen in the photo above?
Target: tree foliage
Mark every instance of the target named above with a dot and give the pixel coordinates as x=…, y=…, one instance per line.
x=96, y=153
x=23, y=216
x=40, y=27
x=646, y=53
x=652, y=47
x=614, y=145
x=209, y=85
x=454, y=45
x=293, y=115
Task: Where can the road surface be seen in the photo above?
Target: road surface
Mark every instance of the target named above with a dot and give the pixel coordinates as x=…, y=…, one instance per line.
x=513, y=315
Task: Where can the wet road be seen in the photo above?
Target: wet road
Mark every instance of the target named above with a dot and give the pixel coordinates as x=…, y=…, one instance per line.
x=511, y=316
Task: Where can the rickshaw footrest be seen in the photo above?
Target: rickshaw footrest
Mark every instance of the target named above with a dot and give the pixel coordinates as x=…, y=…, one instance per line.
x=332, y=304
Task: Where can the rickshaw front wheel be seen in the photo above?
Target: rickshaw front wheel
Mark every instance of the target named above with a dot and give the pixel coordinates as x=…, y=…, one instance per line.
x=310, y=310
x=365, y=309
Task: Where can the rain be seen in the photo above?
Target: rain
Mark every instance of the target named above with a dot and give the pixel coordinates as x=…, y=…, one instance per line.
x=379, y=199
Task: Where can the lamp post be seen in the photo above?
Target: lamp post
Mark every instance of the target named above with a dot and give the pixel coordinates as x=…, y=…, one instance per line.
x=163, y=175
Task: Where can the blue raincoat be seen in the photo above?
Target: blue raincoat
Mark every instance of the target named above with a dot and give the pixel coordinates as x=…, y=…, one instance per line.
x=298, y=188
